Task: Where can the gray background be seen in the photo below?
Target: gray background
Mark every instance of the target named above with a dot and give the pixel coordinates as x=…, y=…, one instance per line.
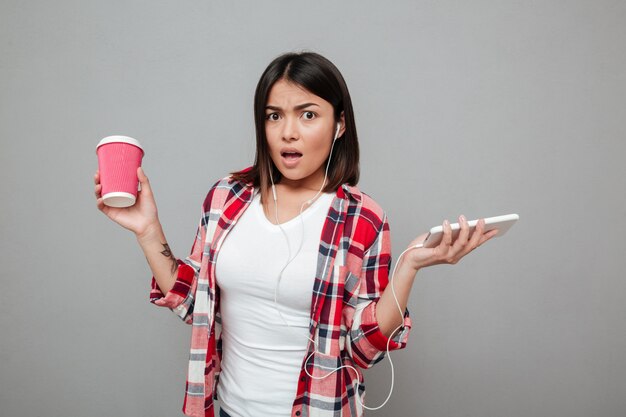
x=481, y=108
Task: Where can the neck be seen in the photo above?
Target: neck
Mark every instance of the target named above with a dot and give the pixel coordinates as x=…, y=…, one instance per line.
x=312, y=183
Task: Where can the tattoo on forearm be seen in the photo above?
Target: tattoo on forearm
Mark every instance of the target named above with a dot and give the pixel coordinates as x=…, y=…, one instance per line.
x=168, y=253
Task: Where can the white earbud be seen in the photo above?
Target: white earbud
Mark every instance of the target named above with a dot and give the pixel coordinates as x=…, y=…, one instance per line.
x=337, y=131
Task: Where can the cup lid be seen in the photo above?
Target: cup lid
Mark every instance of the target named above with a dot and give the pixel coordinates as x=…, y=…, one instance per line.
x=124, y=139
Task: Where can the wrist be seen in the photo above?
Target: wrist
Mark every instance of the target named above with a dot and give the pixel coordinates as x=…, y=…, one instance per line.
x=415, y=261
x=407, y=268
x=151, y=232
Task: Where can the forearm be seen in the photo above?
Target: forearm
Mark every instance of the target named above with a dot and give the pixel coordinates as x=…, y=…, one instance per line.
x=160, y=258
x=387, y=314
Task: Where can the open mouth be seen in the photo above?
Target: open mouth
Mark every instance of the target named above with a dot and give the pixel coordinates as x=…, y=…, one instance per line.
x=291, y=156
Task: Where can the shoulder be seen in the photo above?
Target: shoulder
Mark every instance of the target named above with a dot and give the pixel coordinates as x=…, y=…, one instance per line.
x=224, y=190
x=366, y=220
x=364, y=205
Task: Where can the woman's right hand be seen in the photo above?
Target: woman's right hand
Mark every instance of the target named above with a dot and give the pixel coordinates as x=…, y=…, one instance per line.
x=140, y=218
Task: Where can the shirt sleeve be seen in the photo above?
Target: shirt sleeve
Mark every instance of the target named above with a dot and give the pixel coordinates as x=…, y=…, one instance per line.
x=180, y=299
x=367, y=343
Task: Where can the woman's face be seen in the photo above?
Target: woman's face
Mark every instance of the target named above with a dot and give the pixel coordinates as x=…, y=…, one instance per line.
x=300, y=128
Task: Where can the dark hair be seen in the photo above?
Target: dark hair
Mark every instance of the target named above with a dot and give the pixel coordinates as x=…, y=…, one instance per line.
x=320, y=77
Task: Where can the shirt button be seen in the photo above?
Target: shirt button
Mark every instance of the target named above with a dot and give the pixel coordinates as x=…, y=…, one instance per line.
x=297, y=413
x=302, y=379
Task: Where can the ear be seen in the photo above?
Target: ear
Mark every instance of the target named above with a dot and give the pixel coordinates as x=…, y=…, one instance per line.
x=342, y=122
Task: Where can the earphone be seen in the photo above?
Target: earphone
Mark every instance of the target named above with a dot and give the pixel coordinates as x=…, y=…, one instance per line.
x=291, y=258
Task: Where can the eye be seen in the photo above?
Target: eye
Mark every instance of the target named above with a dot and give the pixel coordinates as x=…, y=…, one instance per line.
x=309, y=115
x=272, y=116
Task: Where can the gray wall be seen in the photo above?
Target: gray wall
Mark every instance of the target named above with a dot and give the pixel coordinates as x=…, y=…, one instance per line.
x=481, y=108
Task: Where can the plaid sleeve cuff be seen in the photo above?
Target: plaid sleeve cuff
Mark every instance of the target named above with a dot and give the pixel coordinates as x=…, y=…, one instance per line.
x=376, y=338
x=180, y=290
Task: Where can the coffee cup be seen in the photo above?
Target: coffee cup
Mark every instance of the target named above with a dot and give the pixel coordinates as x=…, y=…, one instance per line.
x=118, y=160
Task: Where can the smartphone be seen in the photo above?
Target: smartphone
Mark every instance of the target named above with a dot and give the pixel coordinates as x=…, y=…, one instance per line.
x=502, y=223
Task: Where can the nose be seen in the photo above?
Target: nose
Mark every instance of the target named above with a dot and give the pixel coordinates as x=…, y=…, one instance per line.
x=290, y=129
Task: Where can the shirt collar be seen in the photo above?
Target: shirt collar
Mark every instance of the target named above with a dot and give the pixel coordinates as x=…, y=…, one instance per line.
x=348, y=191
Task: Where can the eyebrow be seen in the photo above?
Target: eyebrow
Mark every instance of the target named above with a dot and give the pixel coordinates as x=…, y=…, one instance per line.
x=298, y=107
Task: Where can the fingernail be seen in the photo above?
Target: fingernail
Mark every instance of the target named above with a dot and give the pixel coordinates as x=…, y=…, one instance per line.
x=462, y=217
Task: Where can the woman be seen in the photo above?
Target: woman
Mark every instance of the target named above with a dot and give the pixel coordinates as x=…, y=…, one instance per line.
x=297, y=300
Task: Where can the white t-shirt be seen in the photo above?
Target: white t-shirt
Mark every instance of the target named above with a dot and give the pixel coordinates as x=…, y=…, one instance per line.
x=262, y=356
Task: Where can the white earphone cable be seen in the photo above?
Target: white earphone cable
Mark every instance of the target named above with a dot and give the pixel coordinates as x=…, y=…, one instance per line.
x=291, y=258
x=309, y=201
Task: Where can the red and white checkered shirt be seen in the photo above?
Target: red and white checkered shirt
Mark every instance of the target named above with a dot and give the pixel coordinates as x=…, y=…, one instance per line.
x=353, y=266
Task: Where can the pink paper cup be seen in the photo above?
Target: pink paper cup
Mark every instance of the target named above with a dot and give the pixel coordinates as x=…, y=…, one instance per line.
x=118, y=160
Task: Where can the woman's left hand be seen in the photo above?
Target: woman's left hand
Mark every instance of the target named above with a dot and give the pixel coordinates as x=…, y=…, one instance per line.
x=449, y=252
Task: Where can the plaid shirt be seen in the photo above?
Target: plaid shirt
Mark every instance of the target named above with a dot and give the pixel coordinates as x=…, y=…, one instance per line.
x=352, y=272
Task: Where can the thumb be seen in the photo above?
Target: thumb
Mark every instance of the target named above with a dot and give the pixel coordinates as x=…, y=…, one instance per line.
x=143, y=180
